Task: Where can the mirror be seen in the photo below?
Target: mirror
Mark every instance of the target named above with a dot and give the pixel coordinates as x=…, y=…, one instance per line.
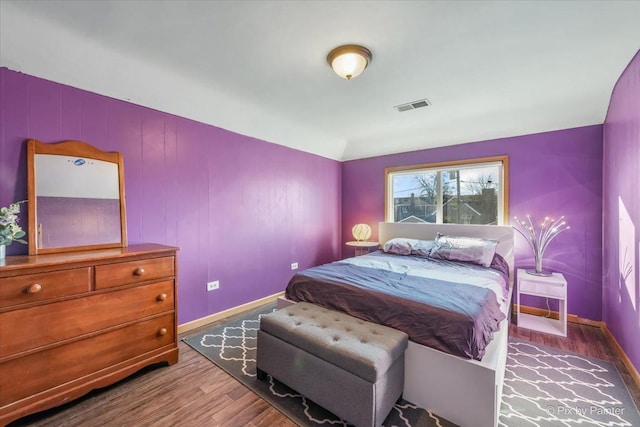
x=76, y=197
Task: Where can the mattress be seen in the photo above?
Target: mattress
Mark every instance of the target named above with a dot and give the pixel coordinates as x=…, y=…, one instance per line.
x=451, y=306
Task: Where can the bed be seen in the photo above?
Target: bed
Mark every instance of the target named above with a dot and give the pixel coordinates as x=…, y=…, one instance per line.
x=461, y=384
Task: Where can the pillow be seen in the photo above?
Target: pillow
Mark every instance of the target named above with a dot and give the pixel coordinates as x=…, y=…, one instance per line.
x=422, y=248
x=399, y=246
x=468, y=249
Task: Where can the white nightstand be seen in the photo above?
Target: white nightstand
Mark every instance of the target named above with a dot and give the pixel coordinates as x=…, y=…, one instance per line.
x=555, y=287
x=363, y=248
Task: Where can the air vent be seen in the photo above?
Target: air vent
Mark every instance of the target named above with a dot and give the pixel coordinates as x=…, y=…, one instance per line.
x=413, y=105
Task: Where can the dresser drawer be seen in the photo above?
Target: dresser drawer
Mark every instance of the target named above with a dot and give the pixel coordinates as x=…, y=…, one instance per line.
x=39, y=287
x=555, y=290
x=126, y=273
x=42, y=325
x=50, y=368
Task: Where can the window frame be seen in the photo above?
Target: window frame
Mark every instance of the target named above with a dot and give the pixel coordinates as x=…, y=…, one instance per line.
x=503, y=193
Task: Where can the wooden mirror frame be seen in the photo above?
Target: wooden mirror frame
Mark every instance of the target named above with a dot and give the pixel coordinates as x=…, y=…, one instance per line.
x=73, y=149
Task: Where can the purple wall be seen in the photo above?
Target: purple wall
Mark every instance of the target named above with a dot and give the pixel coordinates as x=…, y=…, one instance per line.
x=240, y=209
x=550, y=174
x=621, y=190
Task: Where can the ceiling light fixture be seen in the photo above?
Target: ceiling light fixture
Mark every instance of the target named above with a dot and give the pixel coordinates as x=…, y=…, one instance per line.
x=349, y=61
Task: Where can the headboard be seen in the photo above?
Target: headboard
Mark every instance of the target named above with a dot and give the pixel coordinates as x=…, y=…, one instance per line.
x=426, y=231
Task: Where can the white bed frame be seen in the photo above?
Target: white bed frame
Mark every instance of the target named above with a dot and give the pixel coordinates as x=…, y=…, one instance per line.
x=464, y=391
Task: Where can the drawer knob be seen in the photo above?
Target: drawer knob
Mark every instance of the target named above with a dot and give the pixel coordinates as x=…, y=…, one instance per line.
x=138, y=271
x=162, y=332
x=36, y=287
x=162, y=297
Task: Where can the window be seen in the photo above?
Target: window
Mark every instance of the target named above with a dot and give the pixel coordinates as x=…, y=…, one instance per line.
x=464, y=192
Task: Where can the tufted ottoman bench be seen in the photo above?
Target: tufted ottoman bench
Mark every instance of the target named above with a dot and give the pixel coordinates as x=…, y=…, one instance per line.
x=351, y=367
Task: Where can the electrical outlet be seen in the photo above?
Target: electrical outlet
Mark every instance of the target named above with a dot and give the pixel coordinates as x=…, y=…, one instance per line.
x=294, y=265
x=212, y=286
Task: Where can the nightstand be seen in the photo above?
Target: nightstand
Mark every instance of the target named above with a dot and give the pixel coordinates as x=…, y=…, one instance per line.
x=555, y=287
x=363, y=248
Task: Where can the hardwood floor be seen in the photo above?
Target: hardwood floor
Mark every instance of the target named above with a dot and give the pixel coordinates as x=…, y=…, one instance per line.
x=586, y=340
x=195, y=392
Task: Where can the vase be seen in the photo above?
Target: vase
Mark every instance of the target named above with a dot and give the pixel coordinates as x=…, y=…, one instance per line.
x=2, y=252
x=539, y=271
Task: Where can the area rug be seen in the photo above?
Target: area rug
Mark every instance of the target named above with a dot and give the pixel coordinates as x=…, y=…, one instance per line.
x=544, y=387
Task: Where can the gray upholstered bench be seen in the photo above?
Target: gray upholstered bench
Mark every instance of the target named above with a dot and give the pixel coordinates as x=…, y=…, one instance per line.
x=351, y=367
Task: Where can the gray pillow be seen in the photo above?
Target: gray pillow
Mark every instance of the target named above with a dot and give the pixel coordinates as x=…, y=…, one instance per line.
x=422, y=248
x=468, y=249
x=407, y=246
x=399, y=246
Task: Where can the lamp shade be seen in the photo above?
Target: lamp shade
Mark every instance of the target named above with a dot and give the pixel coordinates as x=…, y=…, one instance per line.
x=361, y=232
x=349, y=61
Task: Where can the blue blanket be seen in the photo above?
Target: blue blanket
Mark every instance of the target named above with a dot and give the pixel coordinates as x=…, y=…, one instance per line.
x=456, y=318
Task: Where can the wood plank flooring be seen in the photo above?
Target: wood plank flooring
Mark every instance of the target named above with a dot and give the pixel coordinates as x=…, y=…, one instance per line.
x=195, y=392
x=586, y=340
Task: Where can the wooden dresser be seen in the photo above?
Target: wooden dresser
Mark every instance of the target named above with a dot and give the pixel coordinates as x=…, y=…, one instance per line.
x=77, y=321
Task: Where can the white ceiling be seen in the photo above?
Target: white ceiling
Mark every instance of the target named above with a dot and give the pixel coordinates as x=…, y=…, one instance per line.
x=490, y=68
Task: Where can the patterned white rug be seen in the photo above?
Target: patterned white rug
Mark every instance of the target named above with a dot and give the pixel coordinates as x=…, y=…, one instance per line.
x=544, y=387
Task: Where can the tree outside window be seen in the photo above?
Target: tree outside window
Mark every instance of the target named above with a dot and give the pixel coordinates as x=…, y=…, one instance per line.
x=469, y=192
